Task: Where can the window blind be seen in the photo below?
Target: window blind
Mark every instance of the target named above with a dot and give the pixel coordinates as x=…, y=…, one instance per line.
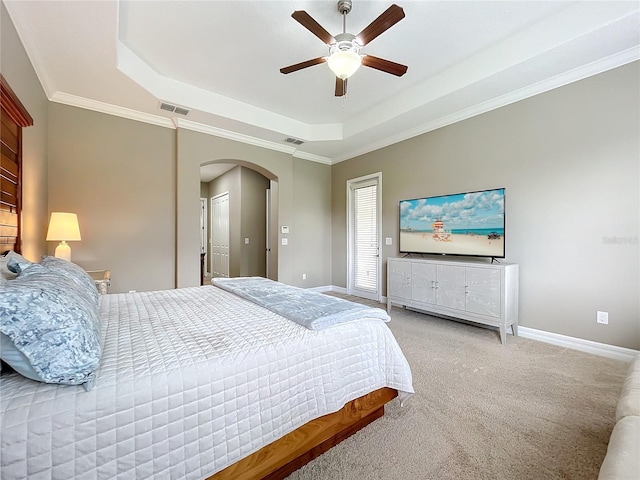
x=365, y=248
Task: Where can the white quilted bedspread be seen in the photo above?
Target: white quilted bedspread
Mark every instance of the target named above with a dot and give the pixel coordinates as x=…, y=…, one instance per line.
x=191, y=381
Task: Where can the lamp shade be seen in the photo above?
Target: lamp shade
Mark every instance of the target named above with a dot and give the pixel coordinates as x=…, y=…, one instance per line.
x=344, y=63
x=63, y=226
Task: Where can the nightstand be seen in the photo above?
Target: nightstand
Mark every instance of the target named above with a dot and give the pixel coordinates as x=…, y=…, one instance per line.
x=102, y=279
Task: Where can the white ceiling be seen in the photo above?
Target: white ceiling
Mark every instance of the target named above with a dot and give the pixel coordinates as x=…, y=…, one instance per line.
x=221, y=60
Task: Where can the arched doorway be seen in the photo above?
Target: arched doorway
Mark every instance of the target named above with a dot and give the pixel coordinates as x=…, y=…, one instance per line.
x=246, y=196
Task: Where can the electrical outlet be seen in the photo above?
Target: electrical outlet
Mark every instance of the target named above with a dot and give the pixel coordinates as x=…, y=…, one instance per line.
x=602, y=317
x=304, y=276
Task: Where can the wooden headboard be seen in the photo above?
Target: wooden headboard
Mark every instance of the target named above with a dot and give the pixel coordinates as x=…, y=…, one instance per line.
x=13, y=118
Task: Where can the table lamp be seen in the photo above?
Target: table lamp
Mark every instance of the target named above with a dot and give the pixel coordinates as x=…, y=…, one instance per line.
x=63, y=227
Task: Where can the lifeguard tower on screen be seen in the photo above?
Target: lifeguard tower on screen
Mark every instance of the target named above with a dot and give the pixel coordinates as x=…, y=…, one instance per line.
x=440, y=234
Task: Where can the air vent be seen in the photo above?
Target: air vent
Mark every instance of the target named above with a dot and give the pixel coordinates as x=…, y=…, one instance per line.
x=172, y=108
x=295, y=141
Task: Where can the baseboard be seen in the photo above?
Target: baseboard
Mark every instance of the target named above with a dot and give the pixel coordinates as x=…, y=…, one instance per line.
x=588, y=346
x=329, y=288
x=602, y=349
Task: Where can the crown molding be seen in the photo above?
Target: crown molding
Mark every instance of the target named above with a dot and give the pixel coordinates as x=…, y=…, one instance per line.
x=96, y=106
x=580, y=73
x=238, y=137
x=313, y=158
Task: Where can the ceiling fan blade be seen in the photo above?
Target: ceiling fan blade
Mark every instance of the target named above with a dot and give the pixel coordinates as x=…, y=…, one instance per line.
x=304, y=19
x=383, y=65
x=341, y=87
x=301, y=65
x=386, y=20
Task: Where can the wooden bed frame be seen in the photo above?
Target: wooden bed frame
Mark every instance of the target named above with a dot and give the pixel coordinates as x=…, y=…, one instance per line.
x=282, y=457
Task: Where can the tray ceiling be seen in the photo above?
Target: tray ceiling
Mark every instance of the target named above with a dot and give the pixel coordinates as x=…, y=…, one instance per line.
x=220, y=61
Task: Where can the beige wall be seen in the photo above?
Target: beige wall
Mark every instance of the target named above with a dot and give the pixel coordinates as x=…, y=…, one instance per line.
x=569, y=160
x=18, y=72
x=312, y=223
x=253, y=225
x=118, y=175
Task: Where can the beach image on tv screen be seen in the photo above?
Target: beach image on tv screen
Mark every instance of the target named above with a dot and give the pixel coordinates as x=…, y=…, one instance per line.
x=460, y=224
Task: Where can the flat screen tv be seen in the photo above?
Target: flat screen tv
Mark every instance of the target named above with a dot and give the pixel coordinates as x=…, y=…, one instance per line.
x=469, y=224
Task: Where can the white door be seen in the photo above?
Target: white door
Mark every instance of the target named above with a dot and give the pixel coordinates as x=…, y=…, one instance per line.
x=203, y=226
x=363, y=226
x=220, y=235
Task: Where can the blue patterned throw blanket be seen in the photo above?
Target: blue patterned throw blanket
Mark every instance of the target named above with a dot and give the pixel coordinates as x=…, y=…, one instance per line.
x=310, y=309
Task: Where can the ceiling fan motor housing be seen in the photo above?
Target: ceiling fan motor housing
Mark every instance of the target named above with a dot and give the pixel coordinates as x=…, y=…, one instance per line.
x=345, y=42
x=344, y=6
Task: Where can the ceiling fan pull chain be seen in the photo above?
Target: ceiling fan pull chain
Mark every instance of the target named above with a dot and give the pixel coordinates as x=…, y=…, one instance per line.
x=344, y=94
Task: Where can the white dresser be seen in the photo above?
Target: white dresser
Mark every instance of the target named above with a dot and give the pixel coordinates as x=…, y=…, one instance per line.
x=480, y=292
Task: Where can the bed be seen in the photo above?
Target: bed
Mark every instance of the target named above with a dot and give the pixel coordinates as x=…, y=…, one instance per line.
x=201, y=383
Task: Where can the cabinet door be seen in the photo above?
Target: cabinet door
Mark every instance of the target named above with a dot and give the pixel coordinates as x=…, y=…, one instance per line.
x=399, y=279
x=423, y=282
x=483, y=291
x=451, y=287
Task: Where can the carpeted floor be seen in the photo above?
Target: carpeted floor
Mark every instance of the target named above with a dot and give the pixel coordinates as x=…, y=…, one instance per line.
x=527, y=410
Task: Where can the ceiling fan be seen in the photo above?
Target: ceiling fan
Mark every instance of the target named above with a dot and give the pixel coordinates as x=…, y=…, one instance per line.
x=344, y=58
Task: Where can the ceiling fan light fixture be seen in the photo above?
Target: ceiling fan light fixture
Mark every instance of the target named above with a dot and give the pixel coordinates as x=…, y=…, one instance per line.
x=344, y=63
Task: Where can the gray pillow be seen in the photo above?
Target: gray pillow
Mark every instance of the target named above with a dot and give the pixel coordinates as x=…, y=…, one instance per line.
x=53, y=325
x=73, y=272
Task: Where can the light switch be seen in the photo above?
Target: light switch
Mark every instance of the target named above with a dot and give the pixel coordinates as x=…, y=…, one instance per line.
x=246, y=240
x=285, y=241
